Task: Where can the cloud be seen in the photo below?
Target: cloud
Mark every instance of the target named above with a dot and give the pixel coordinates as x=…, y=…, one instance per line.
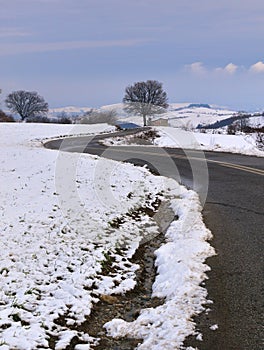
x=230, y=68
x=200, y=69
x=196, y=68
x=24, y=48
x=257, y=67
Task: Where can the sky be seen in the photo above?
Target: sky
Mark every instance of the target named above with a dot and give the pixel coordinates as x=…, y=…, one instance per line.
x=85, y=52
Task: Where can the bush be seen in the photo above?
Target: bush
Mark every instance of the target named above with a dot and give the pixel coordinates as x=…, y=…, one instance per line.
x=5, y=118
x=232, y=129
x=99, y=117
x=38, y=119
x=260, y=140
x=44, y=119
x=63, y=120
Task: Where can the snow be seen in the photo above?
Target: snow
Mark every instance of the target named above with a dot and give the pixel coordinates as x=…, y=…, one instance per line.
x=180, y=115
x=178, y=138
x=199, y=337
x=257, y=121
x=181, y=269
x=173, y=137
x=190, y=117
x=56, y=211
x=183, y=115
x=214, y=327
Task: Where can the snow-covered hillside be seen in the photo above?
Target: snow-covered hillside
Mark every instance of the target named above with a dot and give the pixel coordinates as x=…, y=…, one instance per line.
x=192, y=115
x=180, y=115
x=257, y=121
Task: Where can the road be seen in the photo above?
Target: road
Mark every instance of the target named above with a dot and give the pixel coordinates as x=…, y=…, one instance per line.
x=234, y=212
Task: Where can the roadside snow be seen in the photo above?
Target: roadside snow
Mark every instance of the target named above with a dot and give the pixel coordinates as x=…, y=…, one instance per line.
x=173, y=137
x=56, y=215
x=177, y=138
x=181, y=269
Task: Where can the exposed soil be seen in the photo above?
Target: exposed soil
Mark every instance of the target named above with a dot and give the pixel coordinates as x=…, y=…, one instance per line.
x=126, y=306
x=129, y=305
x=144, y=138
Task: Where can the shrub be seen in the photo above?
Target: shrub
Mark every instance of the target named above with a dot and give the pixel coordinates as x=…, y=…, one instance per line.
x=38, y=119
x=232, y=129
x=260, y=140
x=98, y=117
x=63, y=120
x=5, y=118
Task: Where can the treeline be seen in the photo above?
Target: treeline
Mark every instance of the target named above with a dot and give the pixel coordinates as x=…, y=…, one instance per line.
x=237, y=122
x=8, y=118
x=225, y=122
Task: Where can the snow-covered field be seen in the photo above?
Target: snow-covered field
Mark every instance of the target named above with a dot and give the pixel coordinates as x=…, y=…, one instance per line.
x=177, y=138
x=56, y=232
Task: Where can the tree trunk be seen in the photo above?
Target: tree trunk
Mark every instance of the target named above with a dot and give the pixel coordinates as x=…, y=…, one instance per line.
x=144, y=120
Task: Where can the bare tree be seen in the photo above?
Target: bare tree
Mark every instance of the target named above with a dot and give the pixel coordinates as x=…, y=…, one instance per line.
x=27, y=104
x=145, y=98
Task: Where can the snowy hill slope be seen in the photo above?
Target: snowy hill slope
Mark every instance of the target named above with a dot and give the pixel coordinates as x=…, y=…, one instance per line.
x=180, y=115
x=193, y=115
x=257, y=121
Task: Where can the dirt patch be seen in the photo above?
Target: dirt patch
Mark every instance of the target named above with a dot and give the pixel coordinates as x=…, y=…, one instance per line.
x=126, y=306
x=145, y=137
x=142, y=138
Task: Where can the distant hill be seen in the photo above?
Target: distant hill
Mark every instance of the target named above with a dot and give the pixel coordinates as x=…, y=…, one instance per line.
x=182, y=115
x=68, y=111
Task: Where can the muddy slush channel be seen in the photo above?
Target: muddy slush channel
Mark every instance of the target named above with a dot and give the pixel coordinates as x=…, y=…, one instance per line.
x=128, y=306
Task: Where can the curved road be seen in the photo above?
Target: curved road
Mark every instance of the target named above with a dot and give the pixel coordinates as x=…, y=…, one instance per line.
x=234, y=212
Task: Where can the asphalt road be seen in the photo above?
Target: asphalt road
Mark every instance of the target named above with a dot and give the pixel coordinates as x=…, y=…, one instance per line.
x=234, y=212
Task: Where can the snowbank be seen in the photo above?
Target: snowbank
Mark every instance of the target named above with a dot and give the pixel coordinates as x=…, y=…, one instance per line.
x=173, y=137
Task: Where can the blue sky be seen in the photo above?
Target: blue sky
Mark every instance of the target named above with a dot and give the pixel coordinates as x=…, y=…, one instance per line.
x=85, y=52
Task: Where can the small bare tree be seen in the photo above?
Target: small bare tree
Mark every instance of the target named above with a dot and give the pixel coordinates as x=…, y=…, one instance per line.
x=233, y=128
x=260, y=140
x=145, y=98
x=27, y=104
